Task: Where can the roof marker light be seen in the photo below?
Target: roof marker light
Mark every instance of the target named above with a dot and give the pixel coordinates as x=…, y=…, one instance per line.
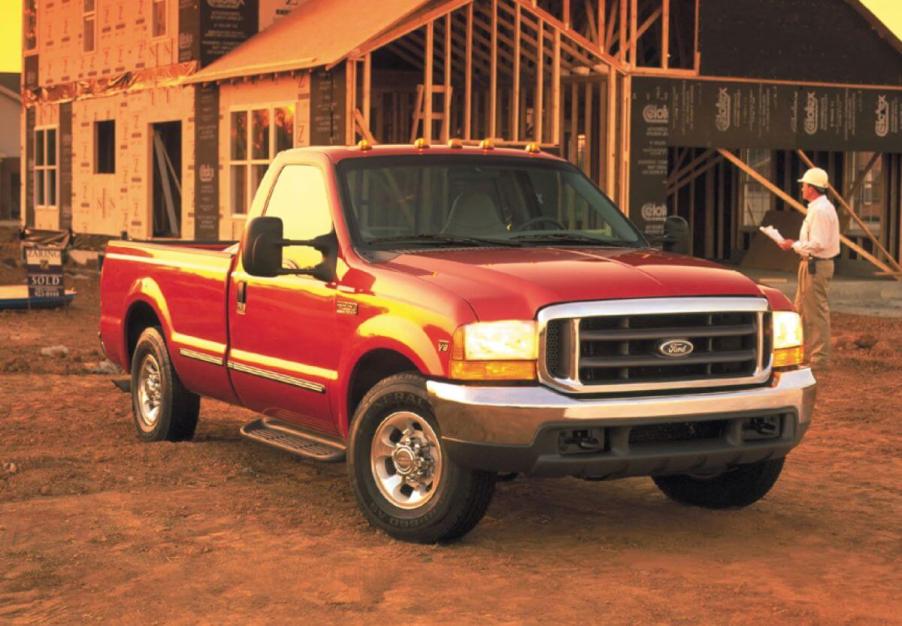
x=455, y=144
x=420, y=144
x=533, y=148
x=364, y=145
x=487, y=144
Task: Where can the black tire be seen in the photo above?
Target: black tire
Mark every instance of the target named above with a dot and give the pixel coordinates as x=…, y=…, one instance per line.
x=735, y=488
x=177, y=408
x=460, y=497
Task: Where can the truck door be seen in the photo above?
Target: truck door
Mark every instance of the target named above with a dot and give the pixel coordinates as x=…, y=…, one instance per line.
x=282, y=358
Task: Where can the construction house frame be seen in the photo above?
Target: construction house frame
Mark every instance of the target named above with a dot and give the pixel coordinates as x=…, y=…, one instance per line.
x=670, y=106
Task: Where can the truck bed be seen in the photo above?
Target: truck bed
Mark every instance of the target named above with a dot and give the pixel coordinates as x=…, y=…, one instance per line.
x=185, y=286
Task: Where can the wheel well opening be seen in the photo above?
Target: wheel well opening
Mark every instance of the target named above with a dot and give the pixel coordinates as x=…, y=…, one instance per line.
x=372, y=368
x=140, y=317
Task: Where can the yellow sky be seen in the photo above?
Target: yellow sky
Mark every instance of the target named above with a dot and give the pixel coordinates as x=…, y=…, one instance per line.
x=11, y=36
x=890, y=11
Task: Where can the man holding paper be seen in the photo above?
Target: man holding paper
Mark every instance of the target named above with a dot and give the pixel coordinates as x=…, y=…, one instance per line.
x=818, y=245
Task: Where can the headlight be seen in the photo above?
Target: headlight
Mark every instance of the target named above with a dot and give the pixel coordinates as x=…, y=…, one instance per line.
x=495, y=351
x=504, y=341
x=788, y=339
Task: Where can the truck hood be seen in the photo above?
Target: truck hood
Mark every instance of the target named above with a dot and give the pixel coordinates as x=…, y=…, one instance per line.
x=514, y=283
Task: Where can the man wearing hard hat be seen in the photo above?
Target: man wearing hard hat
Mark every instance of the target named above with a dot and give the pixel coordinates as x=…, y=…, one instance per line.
x=818, y=245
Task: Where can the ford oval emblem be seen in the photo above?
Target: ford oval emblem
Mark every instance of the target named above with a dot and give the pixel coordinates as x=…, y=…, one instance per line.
x=676, y=348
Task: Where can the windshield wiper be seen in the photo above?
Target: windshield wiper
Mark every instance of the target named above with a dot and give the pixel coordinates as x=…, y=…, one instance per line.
x=451, y=240
x=569, y=237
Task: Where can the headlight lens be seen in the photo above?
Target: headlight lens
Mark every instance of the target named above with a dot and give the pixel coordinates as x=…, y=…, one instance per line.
x=512, y=340
x=787, y=330
x=789, y=341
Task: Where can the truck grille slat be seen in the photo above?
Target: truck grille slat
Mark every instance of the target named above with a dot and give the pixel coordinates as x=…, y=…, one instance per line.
x=657, y=346
x=653, y=361
x=654, y=333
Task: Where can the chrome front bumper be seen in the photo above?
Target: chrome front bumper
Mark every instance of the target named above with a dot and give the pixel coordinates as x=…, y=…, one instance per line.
x=513, y=415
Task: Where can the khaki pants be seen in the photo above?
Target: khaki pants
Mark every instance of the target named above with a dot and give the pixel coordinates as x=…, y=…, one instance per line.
x=811, y=303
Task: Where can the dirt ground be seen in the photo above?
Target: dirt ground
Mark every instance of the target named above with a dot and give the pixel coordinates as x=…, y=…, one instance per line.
x=97, y=527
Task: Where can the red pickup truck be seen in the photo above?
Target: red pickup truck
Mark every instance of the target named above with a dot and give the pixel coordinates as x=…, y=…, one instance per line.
x=440, y=316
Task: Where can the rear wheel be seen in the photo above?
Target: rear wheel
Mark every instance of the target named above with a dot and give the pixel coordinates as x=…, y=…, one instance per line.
x=163, y=409
x=734, y=488
x=404, y=482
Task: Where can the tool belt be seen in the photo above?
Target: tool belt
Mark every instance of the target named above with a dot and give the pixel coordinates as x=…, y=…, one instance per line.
x=812, y=263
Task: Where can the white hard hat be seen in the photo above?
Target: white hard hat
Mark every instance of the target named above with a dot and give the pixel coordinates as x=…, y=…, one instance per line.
x=816, y=177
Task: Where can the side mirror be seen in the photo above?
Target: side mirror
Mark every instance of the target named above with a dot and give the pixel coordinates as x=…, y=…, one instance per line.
x=676, y=235
x=261, y=247
x=261, y=250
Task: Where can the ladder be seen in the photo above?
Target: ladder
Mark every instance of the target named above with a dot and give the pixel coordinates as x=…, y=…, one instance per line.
x=419, y=112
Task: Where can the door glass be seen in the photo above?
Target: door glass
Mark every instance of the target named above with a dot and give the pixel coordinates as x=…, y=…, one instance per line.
x=300, y=199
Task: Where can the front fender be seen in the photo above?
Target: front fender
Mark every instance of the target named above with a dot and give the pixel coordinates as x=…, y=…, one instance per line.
x=417, y=343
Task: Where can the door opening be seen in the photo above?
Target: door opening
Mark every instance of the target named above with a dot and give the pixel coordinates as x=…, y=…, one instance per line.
x=166, y=151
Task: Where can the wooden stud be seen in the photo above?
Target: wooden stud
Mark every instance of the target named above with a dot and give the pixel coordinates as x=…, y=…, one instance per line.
x=621, y=52
x=587, y=126
x=842, y=201
x=574, y=121
x=367, y=88
x=556, y=90
x=634, y=31
x=600, y=27
x=626, y=108
x=610, y=179
x=350, y=101
x=602, y=131
x=468, y=77
x=789, y=200
x=427, y=83
x=515, y=115
x=590, y=23
x=493, y=74
x=566, y=12
x=665, y=34
x=612, y=23
x=696, y=52
x=446, y=120
x=540, y=81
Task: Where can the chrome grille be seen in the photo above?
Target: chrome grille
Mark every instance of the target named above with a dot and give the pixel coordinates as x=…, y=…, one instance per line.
x=620, y=346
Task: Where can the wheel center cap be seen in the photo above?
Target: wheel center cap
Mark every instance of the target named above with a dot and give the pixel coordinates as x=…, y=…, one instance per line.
x=404, y=459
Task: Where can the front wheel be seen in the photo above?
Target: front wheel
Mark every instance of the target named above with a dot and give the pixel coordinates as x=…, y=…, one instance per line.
x=404, y=481
x=734, y=488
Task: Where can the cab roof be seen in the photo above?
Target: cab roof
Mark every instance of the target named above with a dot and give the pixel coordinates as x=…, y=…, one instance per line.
x=340, y=153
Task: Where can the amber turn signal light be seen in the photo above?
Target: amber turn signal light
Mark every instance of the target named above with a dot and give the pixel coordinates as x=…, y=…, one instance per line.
x=789, y=357
x=493, y=370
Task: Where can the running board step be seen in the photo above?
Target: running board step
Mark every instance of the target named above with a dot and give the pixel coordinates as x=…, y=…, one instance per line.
x=294, y=440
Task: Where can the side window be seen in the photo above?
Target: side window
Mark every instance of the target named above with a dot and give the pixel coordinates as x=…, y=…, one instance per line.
x=300, y=198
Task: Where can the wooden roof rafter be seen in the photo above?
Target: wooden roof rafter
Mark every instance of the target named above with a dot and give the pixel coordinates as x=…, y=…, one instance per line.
x=573, y=44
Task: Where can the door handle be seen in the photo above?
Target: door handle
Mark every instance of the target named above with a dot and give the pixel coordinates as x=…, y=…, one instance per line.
x=241, y=298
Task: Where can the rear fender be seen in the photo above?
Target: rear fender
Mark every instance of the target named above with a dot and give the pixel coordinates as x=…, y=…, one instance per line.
x=145, y=291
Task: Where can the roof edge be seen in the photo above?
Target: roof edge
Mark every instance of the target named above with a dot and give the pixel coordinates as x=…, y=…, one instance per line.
x=877, y=24
x=203, y=76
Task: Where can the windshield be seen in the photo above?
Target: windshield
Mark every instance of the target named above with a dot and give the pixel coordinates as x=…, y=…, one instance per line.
x=423, y=201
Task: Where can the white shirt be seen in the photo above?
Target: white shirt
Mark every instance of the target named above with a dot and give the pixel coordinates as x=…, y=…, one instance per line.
x=819, y=236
